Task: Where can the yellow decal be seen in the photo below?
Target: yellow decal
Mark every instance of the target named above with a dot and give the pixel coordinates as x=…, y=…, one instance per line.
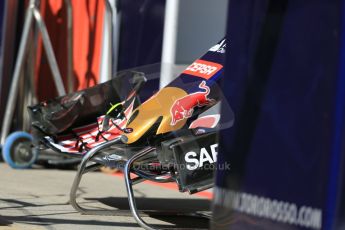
x=158, y=105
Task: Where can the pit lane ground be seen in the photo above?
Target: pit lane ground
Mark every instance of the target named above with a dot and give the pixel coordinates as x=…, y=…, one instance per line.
x=39, y=199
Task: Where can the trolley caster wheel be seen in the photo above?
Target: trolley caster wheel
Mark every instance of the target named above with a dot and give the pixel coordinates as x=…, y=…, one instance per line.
x=18, y=152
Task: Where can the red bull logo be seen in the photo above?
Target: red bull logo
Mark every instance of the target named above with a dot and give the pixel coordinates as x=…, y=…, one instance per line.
x=184, y=107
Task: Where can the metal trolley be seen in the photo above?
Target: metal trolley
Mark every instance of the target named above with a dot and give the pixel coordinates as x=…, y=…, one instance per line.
x=17, y=148
x=98, y=157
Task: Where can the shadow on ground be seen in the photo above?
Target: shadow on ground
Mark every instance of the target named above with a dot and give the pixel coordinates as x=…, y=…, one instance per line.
x=4, y=222
x=185, y=209
x=160, y=204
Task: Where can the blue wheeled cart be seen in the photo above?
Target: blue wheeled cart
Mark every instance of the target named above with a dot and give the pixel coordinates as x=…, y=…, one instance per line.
x=17, y=148
x=17, y=151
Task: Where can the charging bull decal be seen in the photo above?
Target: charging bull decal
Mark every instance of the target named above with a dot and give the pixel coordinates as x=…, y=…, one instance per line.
x=184, y=107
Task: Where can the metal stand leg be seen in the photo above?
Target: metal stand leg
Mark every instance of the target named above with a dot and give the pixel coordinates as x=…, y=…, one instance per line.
x=29, y=97
x=129, y=188
x=131, y=199
x=85, y=168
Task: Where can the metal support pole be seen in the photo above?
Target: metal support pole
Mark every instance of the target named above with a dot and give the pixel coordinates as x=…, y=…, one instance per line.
x=169, y=40
x=49, y=52
x=107, y=45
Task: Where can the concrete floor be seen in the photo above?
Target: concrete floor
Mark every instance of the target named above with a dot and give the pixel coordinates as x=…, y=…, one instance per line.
x=38, y=199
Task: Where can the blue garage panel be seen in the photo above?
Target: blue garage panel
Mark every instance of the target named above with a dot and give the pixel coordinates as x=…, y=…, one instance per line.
x=284, y=85
x=141, y=33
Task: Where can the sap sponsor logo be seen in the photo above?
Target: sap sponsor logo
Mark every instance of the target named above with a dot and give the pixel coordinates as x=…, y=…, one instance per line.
x=195, y=160
x=203, y=69
x=219, y=48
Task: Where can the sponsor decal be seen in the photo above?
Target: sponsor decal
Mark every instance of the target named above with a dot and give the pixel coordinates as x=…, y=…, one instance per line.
x=203, y=69
x=219, y=48
x=265, y=207
x=184, y=107
x=208, y=121
x=195, y=161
